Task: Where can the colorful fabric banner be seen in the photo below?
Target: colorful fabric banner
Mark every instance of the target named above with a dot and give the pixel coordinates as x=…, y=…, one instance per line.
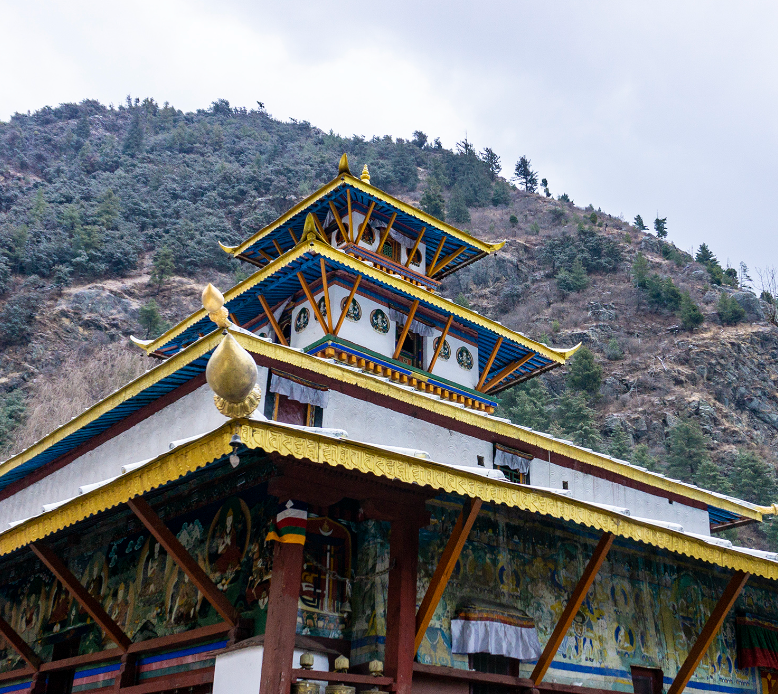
x=482, y=628
x=757, y=642
x=290, y=523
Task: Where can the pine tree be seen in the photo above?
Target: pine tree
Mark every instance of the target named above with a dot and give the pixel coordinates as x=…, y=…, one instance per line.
x=642, y=457
x=577, y=420
x=619, y=446
x=151, y=319
x=729, y=310
x=660, y=226
x=753, y=479
x=492, y=161
x=544, y=183
x=640, y=270
x=432, y=201
x=585, y=374
x=704, y=255
x=133, y=142
x=457, y=209
x=419, y=139
x=709, y=476
x=639, y=224
x=686, y=449
x=163, y=267
x=527, y=405
x=689, y=313
x=525, y=175
x=575, y=279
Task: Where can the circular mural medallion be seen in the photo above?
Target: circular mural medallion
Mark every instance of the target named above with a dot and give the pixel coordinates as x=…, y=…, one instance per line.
x=379, y=321
x=301, y=322
x=445, y=352
x=368, y=237
x=354, y=311
x=322, y=307
x=464, y=358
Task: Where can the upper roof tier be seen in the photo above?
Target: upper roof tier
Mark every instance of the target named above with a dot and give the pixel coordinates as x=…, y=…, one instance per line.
x=345, y=196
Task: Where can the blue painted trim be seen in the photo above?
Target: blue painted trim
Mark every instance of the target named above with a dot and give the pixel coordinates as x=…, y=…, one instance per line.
x=97, y=671
x=16, y=687
x=203, y=648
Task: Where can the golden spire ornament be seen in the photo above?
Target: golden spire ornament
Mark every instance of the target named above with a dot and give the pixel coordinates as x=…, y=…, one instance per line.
x=231, y=372
x=365, y=174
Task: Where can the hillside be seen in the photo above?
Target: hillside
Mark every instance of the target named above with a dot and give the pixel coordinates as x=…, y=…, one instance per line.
x=103, y=210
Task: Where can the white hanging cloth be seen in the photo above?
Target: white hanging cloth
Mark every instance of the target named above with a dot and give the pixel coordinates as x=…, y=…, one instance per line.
x=504, y=457
x=402, y=239
x=295, y=390
x=496, y=630
x=416, y=327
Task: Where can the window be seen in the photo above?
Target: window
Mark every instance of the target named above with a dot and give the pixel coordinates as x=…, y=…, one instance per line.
x=412, y=351
x=391, y=249
x=646, y=680
x=514, y=475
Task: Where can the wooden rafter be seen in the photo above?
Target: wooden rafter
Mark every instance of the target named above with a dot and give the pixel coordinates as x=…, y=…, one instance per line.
x=336, y=214
x=406, y=328
x=365, y=222
x=278, y=248
x=273, y=322
x=264, y=255
x=347, y=305
x=350, y=215
x=141, y=508
x=505, y=372
x=437, y=254
x=572, y=607
x=489, y=363
x=709, y=631
x=415, y=247
x=385, y=235
x=445, y=567
x=441, y=341
x=326, y=291
x=81, y=595
x=294, y=238
x=19, y=645
x=314, y=305
x=448, y=259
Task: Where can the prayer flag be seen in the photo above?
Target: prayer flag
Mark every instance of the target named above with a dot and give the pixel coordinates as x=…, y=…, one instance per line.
x=290, y=523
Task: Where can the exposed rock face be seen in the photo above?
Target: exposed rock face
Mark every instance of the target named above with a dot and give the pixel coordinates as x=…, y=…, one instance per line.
x=750, y=304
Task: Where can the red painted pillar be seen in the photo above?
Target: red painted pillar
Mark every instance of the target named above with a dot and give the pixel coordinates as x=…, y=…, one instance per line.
x=281, y=619
x=401, y=602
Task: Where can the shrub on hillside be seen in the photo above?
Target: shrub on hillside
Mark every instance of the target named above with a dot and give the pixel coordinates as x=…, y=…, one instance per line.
x=584, y=374
x=432, y=201
x=597, y=252
x=576, y=420
x=18, y=314
x=686, y=449
x=12, y=410
x=574, y=280
x=689, y=313
x=729, y=310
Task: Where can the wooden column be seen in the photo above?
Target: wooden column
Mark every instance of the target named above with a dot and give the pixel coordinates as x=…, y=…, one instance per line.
x=401, y=602
x=572, y=607
x=448, y=561
x=709, y=631
x=81, y=594
x=127, y=672
x=277, y=660
x=140, y=507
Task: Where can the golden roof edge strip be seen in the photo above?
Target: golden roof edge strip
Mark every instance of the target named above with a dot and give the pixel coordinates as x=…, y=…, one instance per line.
x=370, y=459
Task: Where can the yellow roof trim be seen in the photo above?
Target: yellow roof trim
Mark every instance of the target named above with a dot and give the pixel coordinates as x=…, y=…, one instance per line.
x=385, y=387
x=449, y=307
x=318, y=448
x=375, y=192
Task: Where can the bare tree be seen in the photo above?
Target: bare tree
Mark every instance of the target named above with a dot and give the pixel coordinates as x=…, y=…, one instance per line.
x=768, y=285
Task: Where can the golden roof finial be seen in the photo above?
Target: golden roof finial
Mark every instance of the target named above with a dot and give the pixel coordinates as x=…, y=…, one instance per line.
x=365, y=174
x=309, y=229
x=343, y=165
x=213, y=302
x=232, y=375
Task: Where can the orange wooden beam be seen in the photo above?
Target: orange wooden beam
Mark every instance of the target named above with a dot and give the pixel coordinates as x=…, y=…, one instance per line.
x=264, y=255
x=294, y=238
x=406, y=328
x=19, y=645
x=385, y=235
x=326, y=291
x=505, y=372
x=709, y=631
x=489, y=363
x=278, y=248
x=140, y=507
x=273, y=322
x=449, y=258
x=436, y=256
x=445, y=568
x=572, y=607
x=81, y=594
x=365, y=221
x=336, y=214
x=441, y=341
x=314, y=305
x=415, y=247
x=350, y=216
x=347, y=305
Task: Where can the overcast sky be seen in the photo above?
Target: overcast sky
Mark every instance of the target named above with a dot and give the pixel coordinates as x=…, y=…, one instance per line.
x=634, y=107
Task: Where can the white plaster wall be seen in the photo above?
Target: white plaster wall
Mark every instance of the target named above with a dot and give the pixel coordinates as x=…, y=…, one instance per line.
x=451, y=369
x=239, y=671
x=641, y=504
x=191, y=415
x=371, y=423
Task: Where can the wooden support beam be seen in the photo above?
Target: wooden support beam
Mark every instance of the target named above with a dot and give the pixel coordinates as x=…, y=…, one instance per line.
x=489, y=363
x=326, y=291
x=346, y=306
x=294, y=238
x=445, y=568
x=277, y=661
x=437, y=254
x=140, y=507
x=81, y=594
x=278, y=248
x=314, y=305
x=336, y=214
x=709, y=631
x=449, y=258
x=406, y=328
x=505, y=372
x=350, y=216
x=401, y=602
x=572, y=607
x=273, y=322
x=19, y=645
x=264, y=255
x=415, y=247
x=365, y=221
x=441, y=340
x=385, y=235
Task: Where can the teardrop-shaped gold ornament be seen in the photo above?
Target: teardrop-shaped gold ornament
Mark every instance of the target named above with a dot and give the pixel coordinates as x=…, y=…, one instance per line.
x=213, y=302
x=232, y=375
x=343, y=165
